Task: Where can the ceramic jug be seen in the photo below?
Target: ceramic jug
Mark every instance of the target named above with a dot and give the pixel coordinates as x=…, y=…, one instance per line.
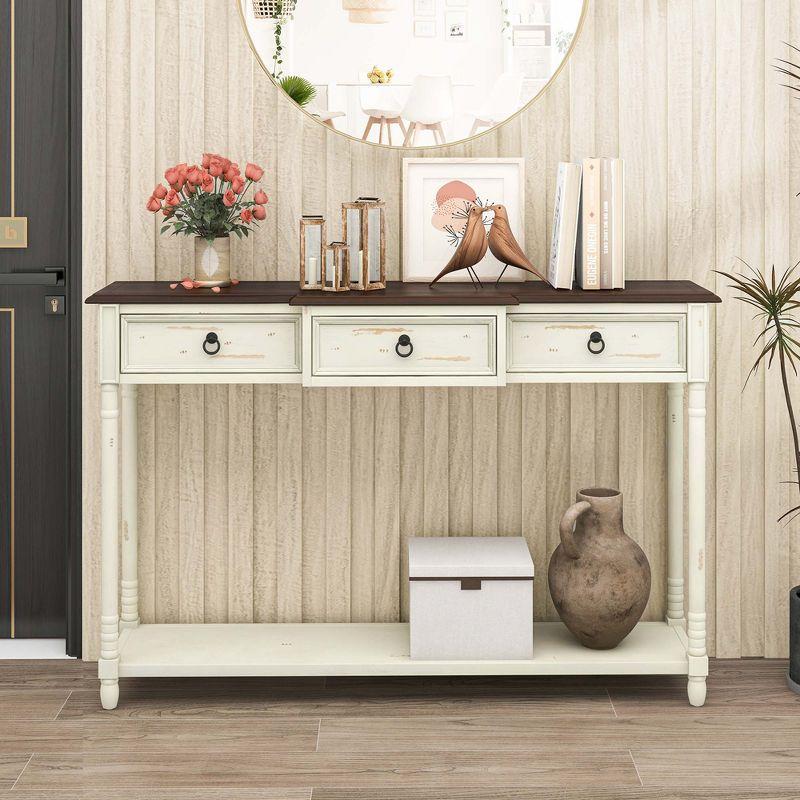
x=599, y=577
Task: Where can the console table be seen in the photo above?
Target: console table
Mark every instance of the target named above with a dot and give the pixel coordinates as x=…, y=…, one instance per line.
x=406, y=335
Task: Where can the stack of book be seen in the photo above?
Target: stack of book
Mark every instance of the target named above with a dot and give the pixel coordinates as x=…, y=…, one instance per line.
x=588, y=244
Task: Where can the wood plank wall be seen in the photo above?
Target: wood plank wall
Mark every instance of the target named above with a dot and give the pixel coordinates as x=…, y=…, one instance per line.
x=275, y=503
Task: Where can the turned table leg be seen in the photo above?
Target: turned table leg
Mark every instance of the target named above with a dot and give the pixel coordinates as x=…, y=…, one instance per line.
x=130, y=582
x=696, y=629
x=675, y=613
x=108, y=664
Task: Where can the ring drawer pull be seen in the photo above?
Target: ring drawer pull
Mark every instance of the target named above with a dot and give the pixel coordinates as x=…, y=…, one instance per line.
x=595, y=339
x=211, y=346
x=404, y=341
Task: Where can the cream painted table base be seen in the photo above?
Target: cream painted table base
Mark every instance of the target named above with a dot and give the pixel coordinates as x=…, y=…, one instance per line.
x=455, y=345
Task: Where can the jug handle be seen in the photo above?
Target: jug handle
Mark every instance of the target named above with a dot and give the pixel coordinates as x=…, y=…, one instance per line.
x=567, y=527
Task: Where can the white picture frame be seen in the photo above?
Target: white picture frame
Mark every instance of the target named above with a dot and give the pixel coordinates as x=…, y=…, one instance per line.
x=425, y=28
x=455, y=26
x=424, y=8
x=433, y=212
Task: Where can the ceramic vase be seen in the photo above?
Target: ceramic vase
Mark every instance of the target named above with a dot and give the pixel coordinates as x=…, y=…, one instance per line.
x=599, y=577
x=212, y=261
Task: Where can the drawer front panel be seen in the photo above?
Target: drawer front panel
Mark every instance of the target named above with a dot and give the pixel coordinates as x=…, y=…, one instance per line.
x=257, y=343
x=370, y=346
x=629, y=343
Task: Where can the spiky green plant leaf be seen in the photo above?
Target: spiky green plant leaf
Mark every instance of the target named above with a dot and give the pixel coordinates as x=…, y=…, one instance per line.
x=774, y=301
x=299, y=89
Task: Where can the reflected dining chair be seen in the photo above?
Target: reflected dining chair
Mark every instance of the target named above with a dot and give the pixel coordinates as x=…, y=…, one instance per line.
x=382, y=107
x=328, y=117
x=429, y=104
x=502, y=102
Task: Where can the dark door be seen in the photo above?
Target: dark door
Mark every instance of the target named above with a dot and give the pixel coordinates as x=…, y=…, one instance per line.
x=39, y=320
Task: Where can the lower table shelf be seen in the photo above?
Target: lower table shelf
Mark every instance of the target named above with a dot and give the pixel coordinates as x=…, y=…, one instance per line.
x=377, y=649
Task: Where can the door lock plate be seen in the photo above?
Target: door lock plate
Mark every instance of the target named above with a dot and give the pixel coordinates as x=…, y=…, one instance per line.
x=54, y=304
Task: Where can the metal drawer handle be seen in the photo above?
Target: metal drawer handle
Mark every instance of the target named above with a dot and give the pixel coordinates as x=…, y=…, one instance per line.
x=212, y=341
x=596, y=338
x=404, y=341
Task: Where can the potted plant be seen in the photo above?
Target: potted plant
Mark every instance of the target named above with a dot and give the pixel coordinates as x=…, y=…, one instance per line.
x=775, y=302
x=208, y=202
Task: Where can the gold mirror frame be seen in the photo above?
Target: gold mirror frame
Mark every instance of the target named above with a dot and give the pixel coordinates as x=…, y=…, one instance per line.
x=318, y=121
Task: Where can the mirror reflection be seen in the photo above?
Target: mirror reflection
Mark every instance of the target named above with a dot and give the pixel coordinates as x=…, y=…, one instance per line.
x=412, y=72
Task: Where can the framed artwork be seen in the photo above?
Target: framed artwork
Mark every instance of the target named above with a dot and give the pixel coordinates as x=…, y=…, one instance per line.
x=424, y=28
x=438, y=194
x=424, y=8
x=456, y=25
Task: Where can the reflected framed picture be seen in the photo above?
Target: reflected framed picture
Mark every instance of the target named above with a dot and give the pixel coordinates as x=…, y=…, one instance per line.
x=424, y=8
x=438, y=194
x=424, y=28
x=456, y=25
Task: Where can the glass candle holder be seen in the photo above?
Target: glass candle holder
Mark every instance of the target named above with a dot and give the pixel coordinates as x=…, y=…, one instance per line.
x=334, y=275
x=312, y=252
x=364, y=231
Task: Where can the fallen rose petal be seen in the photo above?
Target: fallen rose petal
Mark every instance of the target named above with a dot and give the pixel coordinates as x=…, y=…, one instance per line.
x=173, y=286
x=234, y=281
x=216, y=289
x=187, y=284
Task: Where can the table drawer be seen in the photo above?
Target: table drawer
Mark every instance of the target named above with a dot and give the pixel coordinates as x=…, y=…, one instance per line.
x=376, y=346
x=173, y=343
x=596, y=343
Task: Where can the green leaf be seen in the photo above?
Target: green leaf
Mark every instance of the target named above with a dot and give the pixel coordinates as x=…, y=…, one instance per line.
x=299, y=89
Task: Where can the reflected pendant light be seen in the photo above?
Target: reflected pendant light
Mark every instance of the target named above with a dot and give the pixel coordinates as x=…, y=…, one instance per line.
x=369, y=12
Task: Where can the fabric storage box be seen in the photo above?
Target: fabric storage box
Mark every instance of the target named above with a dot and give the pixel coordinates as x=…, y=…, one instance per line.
x=470, y=598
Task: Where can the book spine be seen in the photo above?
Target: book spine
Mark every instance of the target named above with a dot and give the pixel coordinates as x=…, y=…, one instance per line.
x=590, y=225
x=618, y=224
x=558, y=224
x=570, y=215
x=606, y=215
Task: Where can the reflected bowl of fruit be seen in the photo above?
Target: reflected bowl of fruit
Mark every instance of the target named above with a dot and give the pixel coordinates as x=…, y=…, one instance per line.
x=377, y=75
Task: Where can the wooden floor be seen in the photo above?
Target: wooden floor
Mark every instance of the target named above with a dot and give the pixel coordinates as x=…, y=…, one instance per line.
x=398, y=739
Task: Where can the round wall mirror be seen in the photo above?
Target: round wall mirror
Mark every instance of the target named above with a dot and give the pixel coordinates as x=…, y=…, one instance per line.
x=412, y=73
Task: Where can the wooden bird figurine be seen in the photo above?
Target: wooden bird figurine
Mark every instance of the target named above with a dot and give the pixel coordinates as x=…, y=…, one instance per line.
x=505, y=247
x=472, y=248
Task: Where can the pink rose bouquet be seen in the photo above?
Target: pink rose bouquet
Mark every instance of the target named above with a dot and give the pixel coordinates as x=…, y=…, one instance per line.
x=208, y=200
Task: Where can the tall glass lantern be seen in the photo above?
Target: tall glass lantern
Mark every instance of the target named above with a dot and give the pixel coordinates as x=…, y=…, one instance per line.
x=312, y=252
x=334, y=276
x=364, y=230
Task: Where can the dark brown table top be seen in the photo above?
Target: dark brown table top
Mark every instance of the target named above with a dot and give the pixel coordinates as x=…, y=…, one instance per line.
x=398, y=293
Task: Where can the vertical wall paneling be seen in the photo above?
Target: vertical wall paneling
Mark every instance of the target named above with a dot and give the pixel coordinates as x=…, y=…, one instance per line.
x=583, y=115
x=168, y=263
x=141, y=261
x=791, y=500
x=632, y=67
x=191, y=436
x=751, y=445
x=728, y=331
x=386, y=507
x=215, y=398
x=606, y=44
x=655, y=236
x=704, y=246
x=275, y=503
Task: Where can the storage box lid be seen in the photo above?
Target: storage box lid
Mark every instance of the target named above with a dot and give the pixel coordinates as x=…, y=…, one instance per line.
x=469, y=557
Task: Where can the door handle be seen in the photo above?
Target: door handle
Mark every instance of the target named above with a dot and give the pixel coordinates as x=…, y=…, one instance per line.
x=49, y=276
